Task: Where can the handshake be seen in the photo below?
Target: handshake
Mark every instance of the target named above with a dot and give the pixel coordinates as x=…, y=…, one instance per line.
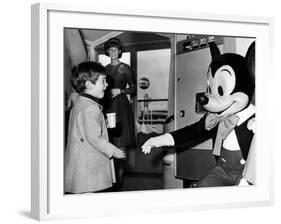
x=161, y=140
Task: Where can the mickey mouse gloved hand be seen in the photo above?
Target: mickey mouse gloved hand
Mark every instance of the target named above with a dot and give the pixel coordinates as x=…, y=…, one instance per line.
x=252, y=125
x=243, y=182
x=162, y=140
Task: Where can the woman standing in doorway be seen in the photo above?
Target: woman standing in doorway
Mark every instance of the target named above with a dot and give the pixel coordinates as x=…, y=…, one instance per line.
x=121, y=82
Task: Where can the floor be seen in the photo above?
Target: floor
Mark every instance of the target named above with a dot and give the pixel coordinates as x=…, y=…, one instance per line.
x=142, y=181
x=144, y=172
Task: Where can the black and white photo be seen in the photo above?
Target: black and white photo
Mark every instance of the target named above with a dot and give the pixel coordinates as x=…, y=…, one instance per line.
x=164, y=117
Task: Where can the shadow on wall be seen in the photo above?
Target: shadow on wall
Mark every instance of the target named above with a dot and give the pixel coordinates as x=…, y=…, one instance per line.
x=74, y=53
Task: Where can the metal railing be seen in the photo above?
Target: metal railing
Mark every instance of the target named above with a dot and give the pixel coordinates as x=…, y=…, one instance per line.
x=152, y=117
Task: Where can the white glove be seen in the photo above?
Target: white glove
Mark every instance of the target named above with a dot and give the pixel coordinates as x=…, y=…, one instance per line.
x=243, y=182
x=162, y=140
x=251, y=125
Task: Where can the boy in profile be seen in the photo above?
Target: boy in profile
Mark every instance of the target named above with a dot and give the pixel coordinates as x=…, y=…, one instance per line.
x=88, y=156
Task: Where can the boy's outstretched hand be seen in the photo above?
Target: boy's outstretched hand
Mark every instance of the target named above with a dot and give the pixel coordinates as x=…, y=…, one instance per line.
x=162, y=140
x=119, y=154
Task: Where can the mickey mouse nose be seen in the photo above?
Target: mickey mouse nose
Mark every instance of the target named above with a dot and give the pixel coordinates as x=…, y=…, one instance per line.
x=202, y=98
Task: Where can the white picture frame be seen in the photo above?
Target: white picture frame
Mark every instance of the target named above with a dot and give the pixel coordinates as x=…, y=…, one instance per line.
x=48, y=201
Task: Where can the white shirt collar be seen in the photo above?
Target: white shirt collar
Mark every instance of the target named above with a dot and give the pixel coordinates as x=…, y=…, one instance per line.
x=246, y=113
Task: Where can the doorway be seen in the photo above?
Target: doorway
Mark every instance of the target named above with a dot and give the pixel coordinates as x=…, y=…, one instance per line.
x=152, y=104
x=148, y=55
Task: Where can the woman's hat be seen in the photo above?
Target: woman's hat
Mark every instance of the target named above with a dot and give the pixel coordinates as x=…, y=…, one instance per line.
x=113, y=42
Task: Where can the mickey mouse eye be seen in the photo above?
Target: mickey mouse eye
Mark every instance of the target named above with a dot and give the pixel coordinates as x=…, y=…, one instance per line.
x=220, y=91
x=223, y=82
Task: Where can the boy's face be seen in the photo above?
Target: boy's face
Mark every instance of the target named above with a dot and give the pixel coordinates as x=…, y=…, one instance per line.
x=97, y=89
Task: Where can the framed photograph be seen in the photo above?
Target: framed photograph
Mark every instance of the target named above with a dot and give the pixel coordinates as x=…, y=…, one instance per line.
x=156, y=82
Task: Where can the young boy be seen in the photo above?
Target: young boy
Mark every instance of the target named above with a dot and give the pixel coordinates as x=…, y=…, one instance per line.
x=88, y=155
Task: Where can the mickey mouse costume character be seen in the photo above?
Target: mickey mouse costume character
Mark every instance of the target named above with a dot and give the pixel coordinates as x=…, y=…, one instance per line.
x=228, y=110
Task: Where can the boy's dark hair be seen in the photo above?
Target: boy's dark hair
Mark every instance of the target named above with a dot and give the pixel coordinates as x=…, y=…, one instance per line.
x=86, y=71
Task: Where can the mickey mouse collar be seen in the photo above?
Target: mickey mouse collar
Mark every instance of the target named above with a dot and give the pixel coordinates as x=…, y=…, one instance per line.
x=245, y=114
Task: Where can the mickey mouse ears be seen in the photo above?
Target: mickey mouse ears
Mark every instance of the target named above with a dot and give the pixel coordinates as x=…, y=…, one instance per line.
x=215, y=52
x=250, y=60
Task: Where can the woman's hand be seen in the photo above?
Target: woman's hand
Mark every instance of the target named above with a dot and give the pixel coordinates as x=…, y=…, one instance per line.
x=115, y=92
